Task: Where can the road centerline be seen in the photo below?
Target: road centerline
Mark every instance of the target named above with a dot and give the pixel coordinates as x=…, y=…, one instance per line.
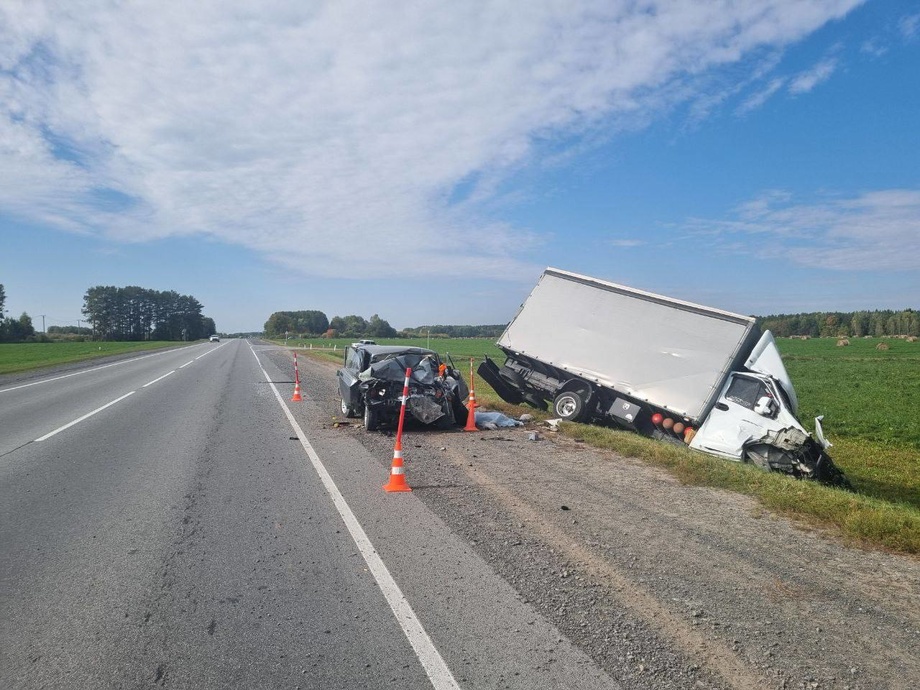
x=83, y=418
x=160, y=378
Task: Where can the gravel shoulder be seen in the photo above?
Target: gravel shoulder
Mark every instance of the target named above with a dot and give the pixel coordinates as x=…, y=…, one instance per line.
x=663, y=585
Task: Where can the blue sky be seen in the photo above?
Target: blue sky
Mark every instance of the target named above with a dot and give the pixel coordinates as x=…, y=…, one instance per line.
x=425, y=161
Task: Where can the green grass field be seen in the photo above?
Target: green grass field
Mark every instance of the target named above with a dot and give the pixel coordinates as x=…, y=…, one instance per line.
x=18, y=357
x=870, y=400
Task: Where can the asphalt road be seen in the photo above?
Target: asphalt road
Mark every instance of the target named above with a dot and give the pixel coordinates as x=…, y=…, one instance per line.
x=166, y=522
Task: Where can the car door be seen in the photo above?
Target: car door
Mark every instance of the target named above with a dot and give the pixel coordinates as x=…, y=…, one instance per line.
x=349, y=384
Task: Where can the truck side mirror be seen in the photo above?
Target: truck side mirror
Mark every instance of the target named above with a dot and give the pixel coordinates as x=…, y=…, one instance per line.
x=765, y=406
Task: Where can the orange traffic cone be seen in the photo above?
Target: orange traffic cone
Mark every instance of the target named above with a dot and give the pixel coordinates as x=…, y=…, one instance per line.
x=296, y=397
x=471, y=416
x=397, y=472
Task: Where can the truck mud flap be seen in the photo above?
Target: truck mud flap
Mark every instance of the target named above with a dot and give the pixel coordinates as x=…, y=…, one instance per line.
x=489, y=372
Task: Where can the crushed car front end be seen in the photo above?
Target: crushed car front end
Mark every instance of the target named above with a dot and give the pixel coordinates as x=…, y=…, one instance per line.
x=432, y=400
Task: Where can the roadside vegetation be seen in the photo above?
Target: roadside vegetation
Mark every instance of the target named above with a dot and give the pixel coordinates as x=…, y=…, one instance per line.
x=869, y=398
x=18, y=357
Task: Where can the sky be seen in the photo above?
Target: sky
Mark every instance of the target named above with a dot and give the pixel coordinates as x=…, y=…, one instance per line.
x=426, y=160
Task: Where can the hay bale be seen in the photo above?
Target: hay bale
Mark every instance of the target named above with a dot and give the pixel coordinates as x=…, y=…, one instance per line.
x=843, y=342
x=882, y=346
x=912, y=339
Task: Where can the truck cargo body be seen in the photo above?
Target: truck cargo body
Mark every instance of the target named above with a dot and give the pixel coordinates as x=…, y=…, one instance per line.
x=598, y=351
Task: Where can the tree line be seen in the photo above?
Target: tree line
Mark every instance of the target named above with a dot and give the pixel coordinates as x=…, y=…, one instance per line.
x=136, y=313
x=306, y=323
x=313, y=323
x=851, y=324
x=14, y=330
x=491, y=331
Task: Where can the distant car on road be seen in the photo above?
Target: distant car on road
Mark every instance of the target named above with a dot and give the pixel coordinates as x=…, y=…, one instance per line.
x=214, y=339
x=372, y=378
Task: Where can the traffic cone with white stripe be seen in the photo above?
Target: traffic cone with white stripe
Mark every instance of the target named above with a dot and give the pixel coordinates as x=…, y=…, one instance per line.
x=296, y=397
x=471, y=403
x=397, y=471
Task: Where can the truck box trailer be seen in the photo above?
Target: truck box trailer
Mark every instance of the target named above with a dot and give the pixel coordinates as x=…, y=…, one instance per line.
x=670, y=369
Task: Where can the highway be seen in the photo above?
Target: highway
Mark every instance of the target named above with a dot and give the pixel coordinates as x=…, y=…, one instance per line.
x=171, y=520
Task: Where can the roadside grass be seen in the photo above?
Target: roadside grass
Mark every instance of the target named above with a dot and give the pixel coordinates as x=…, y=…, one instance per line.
x=18, y=357
x=869, y=398
x=856, y=517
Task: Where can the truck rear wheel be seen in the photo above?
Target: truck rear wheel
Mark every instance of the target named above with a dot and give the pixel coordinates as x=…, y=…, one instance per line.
x=570, y=406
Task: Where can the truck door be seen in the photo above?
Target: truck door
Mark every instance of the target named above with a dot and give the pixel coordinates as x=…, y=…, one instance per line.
x=745, y=410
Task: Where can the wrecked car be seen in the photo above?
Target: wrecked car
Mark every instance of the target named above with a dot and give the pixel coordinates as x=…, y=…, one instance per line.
x=596, y=351
x=371, y=384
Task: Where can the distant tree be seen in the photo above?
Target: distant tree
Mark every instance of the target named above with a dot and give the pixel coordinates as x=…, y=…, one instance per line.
x=378, y=328
x=308, y=322
x=355, y=326
x=208, y=327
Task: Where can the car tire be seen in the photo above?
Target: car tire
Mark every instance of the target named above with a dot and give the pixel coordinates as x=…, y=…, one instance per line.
x=371, y=420
x=346, y=410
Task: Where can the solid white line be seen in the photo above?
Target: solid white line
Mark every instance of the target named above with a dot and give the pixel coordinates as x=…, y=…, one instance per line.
x=187, y=363
x=159, y=379
x=87, y=371
x=438, y=673
x=86, y=416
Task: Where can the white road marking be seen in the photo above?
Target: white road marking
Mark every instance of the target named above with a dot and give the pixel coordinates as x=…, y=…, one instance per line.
x=438, y=673
x=109, y=404
x=86, y=416
x=150, y=383
x=88, y=371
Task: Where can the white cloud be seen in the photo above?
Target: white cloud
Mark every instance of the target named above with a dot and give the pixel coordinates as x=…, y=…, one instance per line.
x=311, y=131
x=875, y=231
x=758, y=99
x=806, y=81
x=910, y=26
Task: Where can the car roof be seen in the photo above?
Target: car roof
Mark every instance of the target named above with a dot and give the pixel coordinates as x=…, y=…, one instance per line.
x=375, y=350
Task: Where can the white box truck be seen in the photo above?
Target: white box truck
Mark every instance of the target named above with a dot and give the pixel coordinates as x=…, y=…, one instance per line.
x=673, y=370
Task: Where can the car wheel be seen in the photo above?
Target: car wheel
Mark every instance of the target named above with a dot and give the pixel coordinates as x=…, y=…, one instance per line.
x=346, y=410
x=569, y=406
x=370, y=418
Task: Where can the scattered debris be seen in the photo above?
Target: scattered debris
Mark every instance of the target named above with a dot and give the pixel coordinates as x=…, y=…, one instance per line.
x=495, y=420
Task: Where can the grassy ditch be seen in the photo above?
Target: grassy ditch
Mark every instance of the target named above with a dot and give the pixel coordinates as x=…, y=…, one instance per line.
x=856, y=517
x=18, y=357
